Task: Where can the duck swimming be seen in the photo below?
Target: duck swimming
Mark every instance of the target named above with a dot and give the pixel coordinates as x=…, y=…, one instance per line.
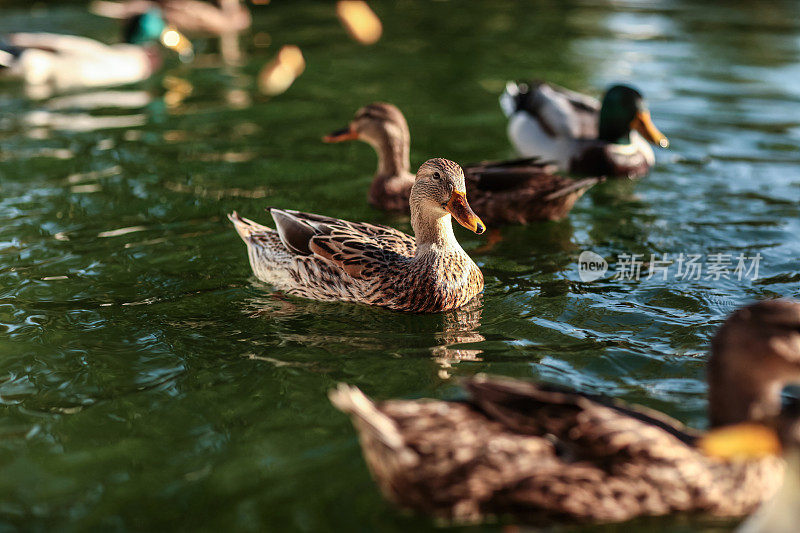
x=501, y=192
x=190, y=16
x=329, y=259
x=545, y=453
x=67, y=62
x=580, y=134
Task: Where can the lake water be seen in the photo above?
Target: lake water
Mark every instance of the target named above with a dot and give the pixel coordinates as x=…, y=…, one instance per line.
x=149, y=382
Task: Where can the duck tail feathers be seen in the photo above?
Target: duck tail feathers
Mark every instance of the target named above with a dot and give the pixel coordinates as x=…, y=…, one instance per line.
x=8, y=55
x=245, y=227
x=370, y=420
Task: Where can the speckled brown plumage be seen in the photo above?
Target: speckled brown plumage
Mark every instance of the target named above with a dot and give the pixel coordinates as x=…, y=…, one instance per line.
x=501, y=192
x=544, y=453
x=329, y=259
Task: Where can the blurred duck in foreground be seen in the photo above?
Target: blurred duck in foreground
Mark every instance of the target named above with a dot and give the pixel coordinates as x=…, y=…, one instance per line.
x=325, y=258
x=545, y=453
x=579, y=133
x=66, y=62
x=501, y=192
x=190, y=16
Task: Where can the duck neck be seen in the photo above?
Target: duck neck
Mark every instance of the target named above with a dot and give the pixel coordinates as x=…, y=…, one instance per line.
x=434, y=231
x=393, y=157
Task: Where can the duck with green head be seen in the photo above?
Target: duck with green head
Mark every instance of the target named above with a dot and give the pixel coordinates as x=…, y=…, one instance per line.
x=69, y=62
x=581, y=134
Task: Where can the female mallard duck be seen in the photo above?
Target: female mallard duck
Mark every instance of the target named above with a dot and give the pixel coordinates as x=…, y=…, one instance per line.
x=190, y=16
x=502, y=192
x=580, y=134
x=329, y=259
x=542, y=452
x=72, y=62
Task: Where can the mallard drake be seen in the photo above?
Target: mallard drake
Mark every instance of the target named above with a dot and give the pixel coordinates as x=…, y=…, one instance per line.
x=579, y=133
x=501, y=192
x=325, y=258
x=543, y=452
x=190, y=16
x=73, y=62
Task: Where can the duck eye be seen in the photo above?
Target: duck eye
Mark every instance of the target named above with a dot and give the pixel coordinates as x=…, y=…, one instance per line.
x=437, y=176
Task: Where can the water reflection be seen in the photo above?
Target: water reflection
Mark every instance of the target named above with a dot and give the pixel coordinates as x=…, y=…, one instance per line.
x=371, y=330
x=100, y=110
x=459, y=327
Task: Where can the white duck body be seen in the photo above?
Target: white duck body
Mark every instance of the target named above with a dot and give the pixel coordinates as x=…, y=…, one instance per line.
x=72, y=62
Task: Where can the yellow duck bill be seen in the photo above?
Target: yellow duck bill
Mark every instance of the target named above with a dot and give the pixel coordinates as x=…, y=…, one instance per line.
x=644, y=125
x=344, y=134
x=462, y=212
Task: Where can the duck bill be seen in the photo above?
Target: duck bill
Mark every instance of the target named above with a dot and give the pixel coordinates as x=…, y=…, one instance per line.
x=175, y=40
x=741, y=441
x=644, y=125
x=344, y=134
x=462, y=212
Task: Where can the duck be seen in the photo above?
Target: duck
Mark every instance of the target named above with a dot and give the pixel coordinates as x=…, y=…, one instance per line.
x=189, y=16
x=545, y=453
x=502, y=192
x=69, y=62
x=580, y=134
x=330, y=259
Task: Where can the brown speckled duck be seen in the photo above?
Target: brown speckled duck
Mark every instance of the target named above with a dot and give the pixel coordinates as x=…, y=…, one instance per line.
x=501, y=192
x=579, y=133
x=325, y=258
x=545, y=453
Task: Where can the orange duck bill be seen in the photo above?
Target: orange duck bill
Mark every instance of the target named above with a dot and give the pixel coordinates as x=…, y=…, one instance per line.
x=644, y=125
x=345, y=134
x=462, y=212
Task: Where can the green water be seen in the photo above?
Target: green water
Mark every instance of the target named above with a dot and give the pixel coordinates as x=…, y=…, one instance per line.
x=149, y=382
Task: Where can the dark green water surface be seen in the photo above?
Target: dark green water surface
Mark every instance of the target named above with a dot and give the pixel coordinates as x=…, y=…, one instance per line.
x=149, y=382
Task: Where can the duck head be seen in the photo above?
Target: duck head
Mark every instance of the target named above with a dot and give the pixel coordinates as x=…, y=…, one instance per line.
x=383, y=127
x=438, y=193
x=150, y=27
x=754, y=355
x=623, y=110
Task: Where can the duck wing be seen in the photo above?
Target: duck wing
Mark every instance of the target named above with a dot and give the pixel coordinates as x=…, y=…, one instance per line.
x=586, y=426
x=496, y=176
x=358, y=248
x=561, y=112
x=532, y=174
x=58, y=43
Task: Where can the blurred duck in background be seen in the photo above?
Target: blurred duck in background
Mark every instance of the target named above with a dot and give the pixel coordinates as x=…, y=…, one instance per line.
x=68, y=62
x=502, y=192
x=580, y=134
x=188, y=16
x=542, y=452
x=224, y=19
